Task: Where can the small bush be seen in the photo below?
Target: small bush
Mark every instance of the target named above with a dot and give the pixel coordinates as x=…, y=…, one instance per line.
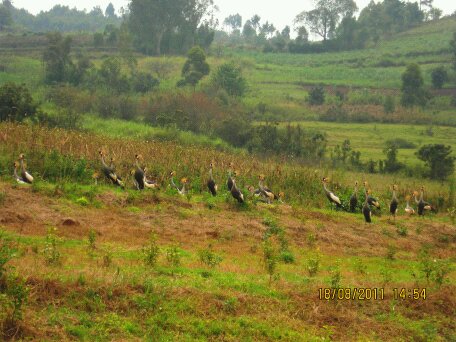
x=316, y=96
x=51, y=252
x=151, y=251
x=208, y=257
x=173, y=256
x=335, y=276
x=313, y=265
x=270, y=256
x=391, y=252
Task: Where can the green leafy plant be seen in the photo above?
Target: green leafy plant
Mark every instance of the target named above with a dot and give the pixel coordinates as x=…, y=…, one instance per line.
x=335, y=276
x=151, y=251
x=270, y=256
x=208, y=257
x=313, y=264
x=51, y=252
x=173, y=255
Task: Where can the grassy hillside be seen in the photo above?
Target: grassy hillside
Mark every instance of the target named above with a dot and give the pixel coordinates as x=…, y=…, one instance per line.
x=89, y=268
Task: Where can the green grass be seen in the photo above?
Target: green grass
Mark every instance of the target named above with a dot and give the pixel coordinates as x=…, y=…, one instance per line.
x=117, y=128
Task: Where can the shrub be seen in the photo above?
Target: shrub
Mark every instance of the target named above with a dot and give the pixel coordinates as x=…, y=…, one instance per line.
x=316, y=96
x=195, y=68
x=229, y=77
x=439, y=77
x=16, y=102
x=413, y=93
x=389, y=105
x=313, y=265
x=439, y=160
x=51, y=252
x=151, y=251
x=143, y=82
x=208, y=257
x=270, y=256
x=173, y=255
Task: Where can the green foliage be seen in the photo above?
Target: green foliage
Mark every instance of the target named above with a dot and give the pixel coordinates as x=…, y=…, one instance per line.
x=316, y=96
x=51, y=252
x=173, y=256
x=313, y=264
x=391, y=251
x=413, y=93
x=402, y=230
x=98, y=39
x=453, y=49
x=270, y=257
x=195, y=67
x=389, y=105
x=5, y=17
x=6, y=254
x=151, y=251
x=16, y=102
x=143, y=82
x=208, y=257
x=433, y=269
x=439, y=160
x=335, y=276
x=229, y=77
x=391, y=164
x=439, y=77
x=56, y=58
x=92, y=240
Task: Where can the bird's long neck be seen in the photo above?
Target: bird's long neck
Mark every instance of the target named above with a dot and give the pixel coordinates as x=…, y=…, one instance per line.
x=421, y=195
x=15, y=172
x=366, y=195
x=22, y=165
x=138, y=166
x=103, y=161
x=394, y=194
x=183, y=188
x=260, y=184
x=355, y=192
x=324, y=187
x=210, y=174
x=172, y=183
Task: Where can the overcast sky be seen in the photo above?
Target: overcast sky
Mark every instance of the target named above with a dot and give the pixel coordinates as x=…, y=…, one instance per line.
x=280, y=13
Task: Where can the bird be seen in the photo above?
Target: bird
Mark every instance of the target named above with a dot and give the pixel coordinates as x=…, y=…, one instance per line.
x=265, y=191
x=235, y=192
x=151, y=184
x=26, y=177
x=367, y=212
x=408, y=209
x=182, y=191
x=331, y=197
x=229, y=182
x=422, y=205
x=109, y=171
x=253, y=191
x=211, y=182
x=18, y=179
x=138, y=174
x=371, y=200
x=394, y=203
x=354, y=198
x=281, y=196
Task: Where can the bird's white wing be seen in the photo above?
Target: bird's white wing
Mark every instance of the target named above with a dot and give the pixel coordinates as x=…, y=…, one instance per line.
x=335, y=198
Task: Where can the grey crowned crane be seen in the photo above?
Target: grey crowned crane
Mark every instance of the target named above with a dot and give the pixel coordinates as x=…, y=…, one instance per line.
x=371, y=200
x=422, y=205
x=182, y=191
x=330, y=195
x=229, y=182
x=148, y=183
x=235, y=192
x=354, y=198
x=26, y=177
x=265, y=191
x=408, y=209
x=367, y=212
x=138, y=174
x=394, y=203
x=109, y=171
x=211, y=182
x=18, y=179
x=254, y=192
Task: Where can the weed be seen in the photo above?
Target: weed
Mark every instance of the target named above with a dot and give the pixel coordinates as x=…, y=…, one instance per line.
x=229, y=305
x=359, y=266
x=82, y=201
x=452, y=214
x=440, y=272
x=81, y=281
x=51, y=253
x=287, y=257
x=92, y=240
x=311, y=240
x=425, y=263
x=313, y=264
x=270, y=258
x=387, y=274
x=107, y=259
x=208, y=257
x=151, y=251
x=391, y=251
x=335, y=276
x=401, y=230
x=173, y=256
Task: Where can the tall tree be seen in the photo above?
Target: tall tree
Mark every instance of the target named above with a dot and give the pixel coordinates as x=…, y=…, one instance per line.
x=150, y=20
x=327, y=14
x=56, y=57
x=110, y=11
x=5, y=15
x=234, y=21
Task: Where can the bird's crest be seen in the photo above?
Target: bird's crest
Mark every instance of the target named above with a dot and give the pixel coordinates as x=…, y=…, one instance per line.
x=21, y=156
x=236, y=173
x=415, y=193
x=230, y=165
x=356, y=183
x=261, y=177
x=15, y=164
x=251, y=188
x=184, y=180
x=281, y=194
x=172, y=173
x=407, y=197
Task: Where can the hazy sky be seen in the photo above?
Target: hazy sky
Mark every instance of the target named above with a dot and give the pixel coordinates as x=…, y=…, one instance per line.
x=280, y=13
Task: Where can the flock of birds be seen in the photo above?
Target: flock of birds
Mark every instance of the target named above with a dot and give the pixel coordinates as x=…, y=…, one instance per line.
x=141, y=182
